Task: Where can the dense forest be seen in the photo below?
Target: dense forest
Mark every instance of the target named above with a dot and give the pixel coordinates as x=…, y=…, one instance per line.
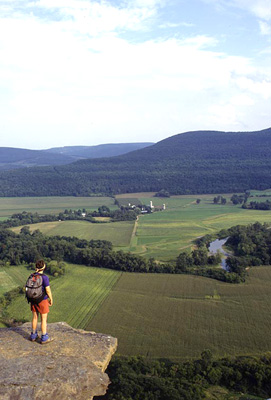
x=192, y=162
x=250, y=245
x=136, y=378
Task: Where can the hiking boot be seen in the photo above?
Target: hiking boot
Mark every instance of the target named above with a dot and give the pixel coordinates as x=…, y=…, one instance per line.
x=45, y=339
x=34, y=336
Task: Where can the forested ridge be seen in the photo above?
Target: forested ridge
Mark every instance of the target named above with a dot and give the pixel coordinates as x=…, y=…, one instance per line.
x=13, y=158
x=98, y=151
x=188, y=163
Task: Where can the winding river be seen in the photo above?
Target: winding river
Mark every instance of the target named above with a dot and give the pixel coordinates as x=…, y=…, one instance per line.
x=217, y=245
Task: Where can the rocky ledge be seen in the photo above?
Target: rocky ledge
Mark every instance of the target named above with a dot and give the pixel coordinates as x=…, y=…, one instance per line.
x=70, y=367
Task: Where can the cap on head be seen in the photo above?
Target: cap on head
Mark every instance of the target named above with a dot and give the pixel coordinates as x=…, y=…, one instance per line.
x=40, y=265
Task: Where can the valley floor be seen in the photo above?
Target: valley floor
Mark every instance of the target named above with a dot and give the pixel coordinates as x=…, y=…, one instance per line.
x=159, y=315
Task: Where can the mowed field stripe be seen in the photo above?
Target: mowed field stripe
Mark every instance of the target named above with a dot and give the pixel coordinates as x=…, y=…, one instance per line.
x=178, y=316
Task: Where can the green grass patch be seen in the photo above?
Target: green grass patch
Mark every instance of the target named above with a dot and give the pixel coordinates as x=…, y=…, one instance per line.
x=119, y=233
x=259, y=199
x=102, y=219
x=135, y=195
x=220, y=393
x=266, y=192
x=77, y=295
x=51, y=204
x=130, y=200
x=178, y=316
x=11, y=277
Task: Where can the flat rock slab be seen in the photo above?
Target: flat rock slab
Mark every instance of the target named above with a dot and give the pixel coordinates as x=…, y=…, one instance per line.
x=70, y=367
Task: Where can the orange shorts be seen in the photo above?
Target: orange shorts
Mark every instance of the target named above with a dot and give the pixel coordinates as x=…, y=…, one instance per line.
x=41, y=308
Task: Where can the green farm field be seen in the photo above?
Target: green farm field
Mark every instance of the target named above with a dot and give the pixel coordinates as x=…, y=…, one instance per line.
x=119, y=233
x=51, y=204
x=178, y=316
x=162, y=234
x=11, y=277
x=77, y=296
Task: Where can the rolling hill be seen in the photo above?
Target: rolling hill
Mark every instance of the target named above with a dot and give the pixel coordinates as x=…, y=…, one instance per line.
x=14, y=158
x=99, y=151
x=189, y=163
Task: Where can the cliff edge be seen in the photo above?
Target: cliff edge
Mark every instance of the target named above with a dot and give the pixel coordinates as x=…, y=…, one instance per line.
x=70, y=367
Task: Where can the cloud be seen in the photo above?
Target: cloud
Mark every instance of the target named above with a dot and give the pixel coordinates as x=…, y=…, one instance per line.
x=261, y=9
x=265, y=27
x=167, y=25
x=261, y=87
x=95, y=17
x=242, y=100
x=68, y=73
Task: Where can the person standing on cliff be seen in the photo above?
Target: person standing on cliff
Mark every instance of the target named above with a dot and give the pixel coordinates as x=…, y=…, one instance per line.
x=42, y=307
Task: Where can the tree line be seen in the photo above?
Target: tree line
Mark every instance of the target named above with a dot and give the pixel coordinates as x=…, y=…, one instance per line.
x=28, y=218
x=258, y=205
x=250, y=246
x=137, y=378
x=27, y=247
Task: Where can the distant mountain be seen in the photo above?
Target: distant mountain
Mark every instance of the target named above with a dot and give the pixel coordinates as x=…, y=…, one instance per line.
x=99, y=151
x=192, y=162
x=13, y=158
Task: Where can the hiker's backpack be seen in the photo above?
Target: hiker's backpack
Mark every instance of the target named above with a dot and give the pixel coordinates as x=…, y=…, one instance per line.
x=33, y=289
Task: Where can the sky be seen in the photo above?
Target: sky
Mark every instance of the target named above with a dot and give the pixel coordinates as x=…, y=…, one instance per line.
x=87, y=72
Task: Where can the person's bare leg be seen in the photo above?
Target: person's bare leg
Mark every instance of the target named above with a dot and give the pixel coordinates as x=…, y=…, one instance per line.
x=34, y=321
x=43, y=323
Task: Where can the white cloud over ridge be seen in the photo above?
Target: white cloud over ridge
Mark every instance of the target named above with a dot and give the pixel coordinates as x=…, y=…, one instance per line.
x=67, y=69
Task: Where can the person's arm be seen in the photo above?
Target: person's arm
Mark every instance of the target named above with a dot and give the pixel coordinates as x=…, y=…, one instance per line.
x=49, y=294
